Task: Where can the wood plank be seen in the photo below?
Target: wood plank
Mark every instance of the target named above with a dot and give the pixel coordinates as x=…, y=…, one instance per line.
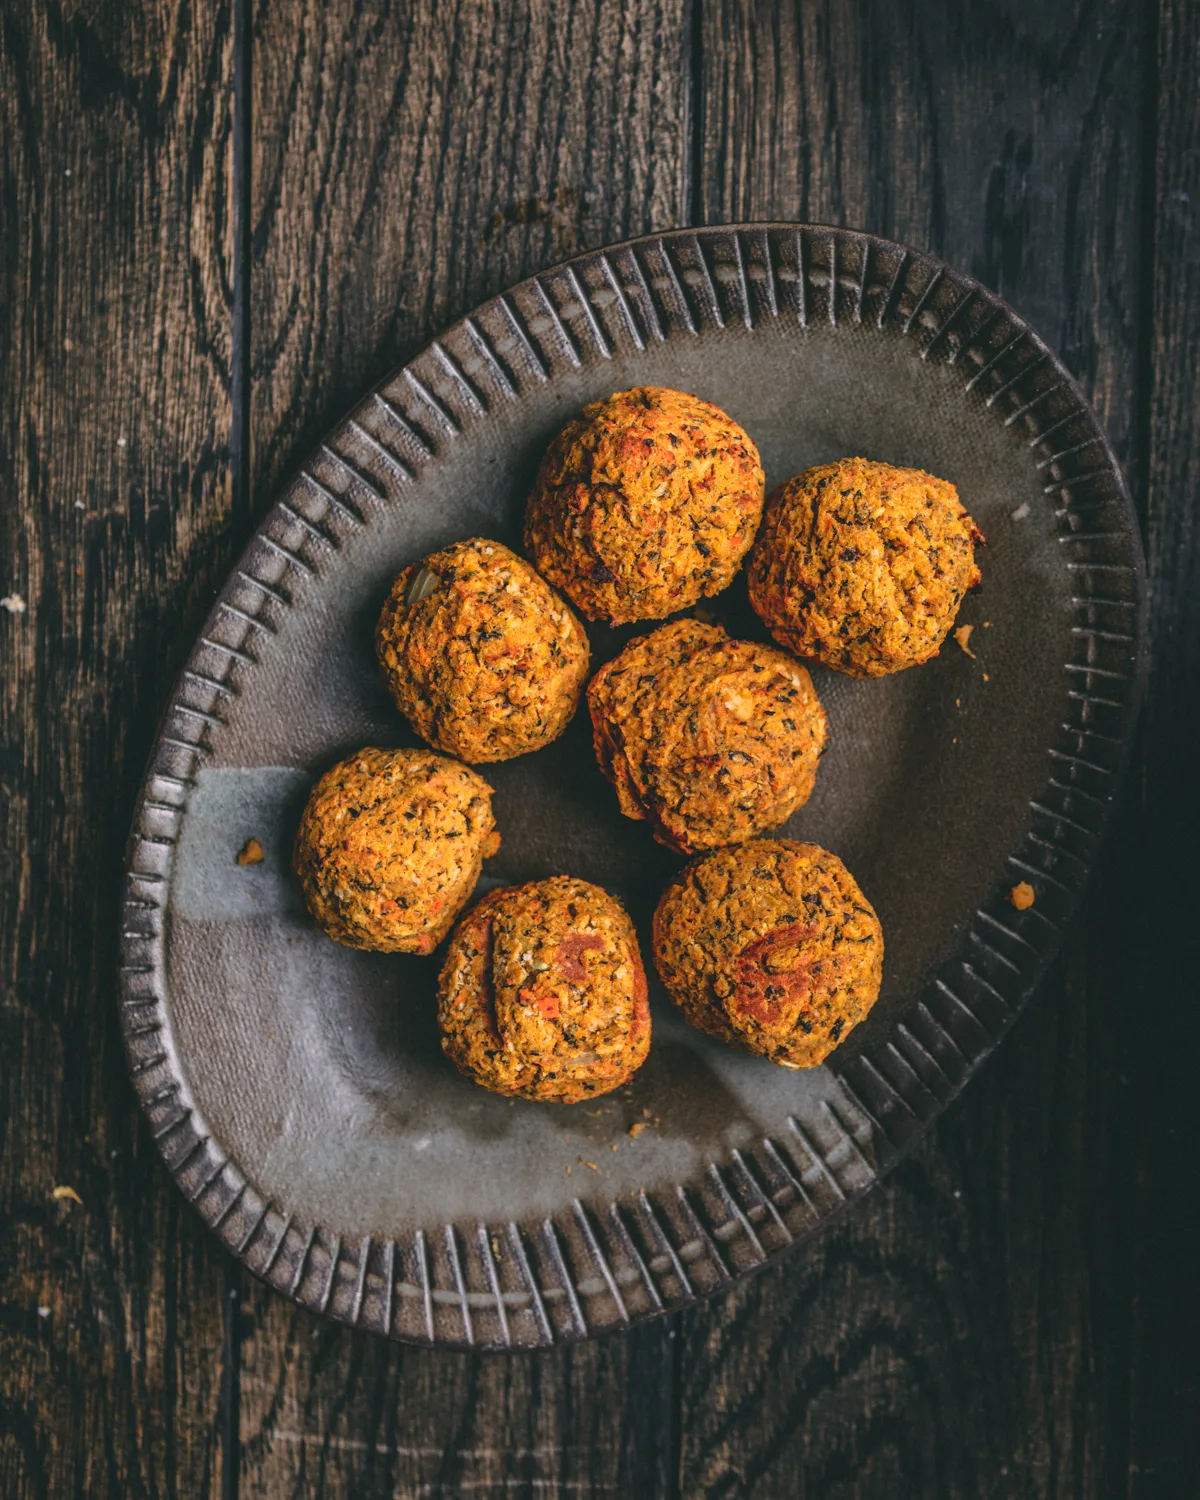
x=327, y=1412
x=1165, y=1458
x=966, y=1332
x=406, y=166
x=998, y=140
x=114, y=489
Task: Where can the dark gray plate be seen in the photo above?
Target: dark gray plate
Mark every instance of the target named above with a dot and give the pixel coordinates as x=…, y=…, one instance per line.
x=296, y=1088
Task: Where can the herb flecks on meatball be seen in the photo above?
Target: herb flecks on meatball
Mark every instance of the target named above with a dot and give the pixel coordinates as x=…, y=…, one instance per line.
x=645, y=503
x=862, y=567
x=770, y=946
x=710, y=739
x=481, y=655
x=543, y=993
x=390, y=847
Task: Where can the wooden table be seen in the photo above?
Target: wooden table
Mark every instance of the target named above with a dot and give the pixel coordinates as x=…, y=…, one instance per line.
x=219, y=223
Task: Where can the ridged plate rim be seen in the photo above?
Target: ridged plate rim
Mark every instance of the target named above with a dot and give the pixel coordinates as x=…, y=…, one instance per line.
x=610, y=1264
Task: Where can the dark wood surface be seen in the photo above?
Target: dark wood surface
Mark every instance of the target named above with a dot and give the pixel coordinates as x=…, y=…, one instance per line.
x=220, y=222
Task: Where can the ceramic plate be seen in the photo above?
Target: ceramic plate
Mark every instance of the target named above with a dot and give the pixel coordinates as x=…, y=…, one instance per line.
x=296, y=1088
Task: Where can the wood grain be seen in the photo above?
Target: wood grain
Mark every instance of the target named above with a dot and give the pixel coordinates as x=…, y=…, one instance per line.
x=414, y=158
x=967, y=1331
x=114, y=478
x=1003, y=138
x=408, y=162
x=329, y=1413
x=1017, y=1311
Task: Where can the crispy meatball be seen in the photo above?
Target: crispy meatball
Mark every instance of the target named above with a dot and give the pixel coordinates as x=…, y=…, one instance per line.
x=711, y=740
x=644, y=503
x=771, y=946
x=390, y=847
x=543, y=993
x=862, y=567
x=481, y=655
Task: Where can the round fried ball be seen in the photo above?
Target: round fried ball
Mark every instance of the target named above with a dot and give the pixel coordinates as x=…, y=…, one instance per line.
x=770, y=946
x=645, y=502
x=862, y=567
x=390, y=847
x=481, y=655
x=711, y=740
x=543, y=993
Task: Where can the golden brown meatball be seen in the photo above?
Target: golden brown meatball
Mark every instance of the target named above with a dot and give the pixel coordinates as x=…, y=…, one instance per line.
x=710, y=739
x=771, y=946
x=481, y=655
x=862, y=567
x=644, y=503
x=543, y=993
x=390, y=847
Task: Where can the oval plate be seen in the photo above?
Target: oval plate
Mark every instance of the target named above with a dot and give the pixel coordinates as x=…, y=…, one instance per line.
x=296, y=1088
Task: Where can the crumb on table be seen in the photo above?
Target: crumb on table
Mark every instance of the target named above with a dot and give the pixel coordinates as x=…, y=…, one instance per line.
x=1022, y=896
x=251, y=853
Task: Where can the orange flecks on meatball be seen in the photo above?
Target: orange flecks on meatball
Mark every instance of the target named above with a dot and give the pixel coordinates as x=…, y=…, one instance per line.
x=543, y=993
x=712, y=740
x=862, y=567
x=390, y=848
x=771, y=946
x=481, y=655
x=645, y=503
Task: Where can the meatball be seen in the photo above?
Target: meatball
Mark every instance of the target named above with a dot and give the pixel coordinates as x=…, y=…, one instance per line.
x=862, y=567
x=711, y=740
x=481, y=655
x=390, y=847
x=770, y=946
x=644, y=503
x=543, y=993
